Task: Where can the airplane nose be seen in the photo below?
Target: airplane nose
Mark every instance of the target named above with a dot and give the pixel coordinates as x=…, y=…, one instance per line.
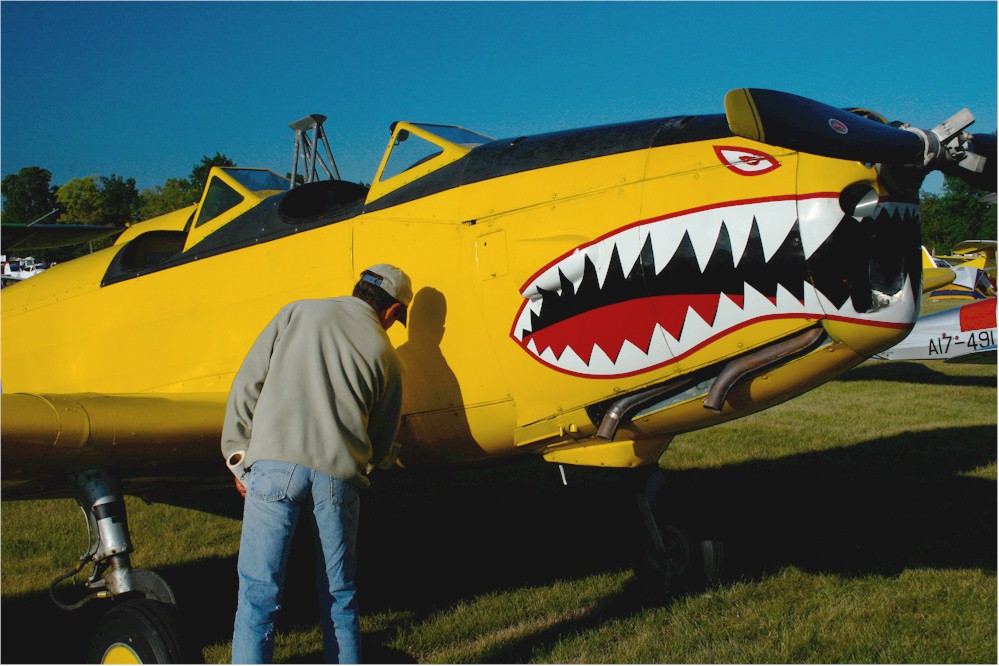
x=869, y=270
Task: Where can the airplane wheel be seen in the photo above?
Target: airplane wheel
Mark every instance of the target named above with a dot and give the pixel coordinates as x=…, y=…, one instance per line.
x=686, y=566
x=711, y=557
x=138, y=631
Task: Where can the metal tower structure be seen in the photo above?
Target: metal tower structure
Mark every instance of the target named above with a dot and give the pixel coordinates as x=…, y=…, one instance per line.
x=307, y=149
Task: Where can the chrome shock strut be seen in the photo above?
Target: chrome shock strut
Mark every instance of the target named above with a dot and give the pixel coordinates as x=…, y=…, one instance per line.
x=98, y=494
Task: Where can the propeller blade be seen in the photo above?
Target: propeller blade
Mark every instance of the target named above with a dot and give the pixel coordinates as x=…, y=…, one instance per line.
x=984, y=146
x=789, y=121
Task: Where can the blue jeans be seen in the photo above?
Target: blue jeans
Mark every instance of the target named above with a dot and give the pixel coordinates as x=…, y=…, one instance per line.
x=276, y=493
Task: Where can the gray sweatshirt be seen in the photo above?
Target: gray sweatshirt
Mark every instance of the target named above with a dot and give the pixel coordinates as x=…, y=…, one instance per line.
x=320, y=387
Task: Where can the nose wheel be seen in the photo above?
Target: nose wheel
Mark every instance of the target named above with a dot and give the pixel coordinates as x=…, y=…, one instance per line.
x=672, y=562
x=137, y=631
x=141, y=627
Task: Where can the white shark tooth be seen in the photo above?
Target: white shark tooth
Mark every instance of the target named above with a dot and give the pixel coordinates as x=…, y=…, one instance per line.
x=786, y=301
x=812, y=303
x=903, y=307
x=908, y=314
x=666, y=236
x=896, y=209
x=729, y=314
x=522, y=324
x=603, y=265
x=628, y=246
x=570, y=360
x=573, y=267
x=695, y=330
x=547, y=281
x=632, y=358
x=659, y=348
x=600, y=363
x=829, y=308
x=548, y=356
x=703, y=229
x=775, y=220
x=756, y=304
x=817, y=219
x=596, y=254
x=848, y=310
x=739, y=222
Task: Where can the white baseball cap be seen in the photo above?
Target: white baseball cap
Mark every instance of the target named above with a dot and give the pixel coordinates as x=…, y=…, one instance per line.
x=392, y=280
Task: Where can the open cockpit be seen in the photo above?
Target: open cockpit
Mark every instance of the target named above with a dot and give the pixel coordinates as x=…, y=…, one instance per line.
x=418, y=149
x=229, y=194
x=241, y=206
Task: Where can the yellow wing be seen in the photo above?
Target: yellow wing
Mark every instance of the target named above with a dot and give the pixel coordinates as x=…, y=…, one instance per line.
x=983, y=247
x=49, y=436
x=937, y=278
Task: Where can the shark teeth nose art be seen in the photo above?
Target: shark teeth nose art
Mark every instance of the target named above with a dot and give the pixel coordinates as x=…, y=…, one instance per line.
x=653, y=292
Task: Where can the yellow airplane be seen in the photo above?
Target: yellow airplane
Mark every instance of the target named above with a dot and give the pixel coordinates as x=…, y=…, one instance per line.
x=978, y=253
x=973, y=263
x=583, y=296
x=935, y=274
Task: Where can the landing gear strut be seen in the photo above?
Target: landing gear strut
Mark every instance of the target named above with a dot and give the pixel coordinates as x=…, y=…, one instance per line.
x=671, y=563
x=141, y=627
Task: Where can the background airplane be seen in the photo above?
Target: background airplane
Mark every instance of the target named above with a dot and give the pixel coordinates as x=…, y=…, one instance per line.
x=582, y=296
x=36, y=236
x=29, y=237
x=974, y=266
x=966, y=334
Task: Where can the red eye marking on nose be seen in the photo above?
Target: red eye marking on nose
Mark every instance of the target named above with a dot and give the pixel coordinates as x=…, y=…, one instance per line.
x=746, y=161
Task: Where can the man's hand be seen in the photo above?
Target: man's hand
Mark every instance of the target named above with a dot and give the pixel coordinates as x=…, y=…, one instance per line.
x=393, y=456
x=240, y=488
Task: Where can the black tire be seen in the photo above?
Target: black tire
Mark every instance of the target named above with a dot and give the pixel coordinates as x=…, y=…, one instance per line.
x=663, y=574
x=137, y=631
x=704, y=571
x=689, y=566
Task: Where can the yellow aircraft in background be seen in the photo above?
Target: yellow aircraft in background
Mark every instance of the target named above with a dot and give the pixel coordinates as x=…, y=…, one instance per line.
x=582, y=296
x=974, y=265
x=978, y=253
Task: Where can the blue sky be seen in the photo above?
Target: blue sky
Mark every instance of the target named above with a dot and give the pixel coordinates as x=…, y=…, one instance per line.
x=145, y=89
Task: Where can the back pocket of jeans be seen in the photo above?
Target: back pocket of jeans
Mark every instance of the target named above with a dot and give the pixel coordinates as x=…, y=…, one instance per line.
x=269, y=480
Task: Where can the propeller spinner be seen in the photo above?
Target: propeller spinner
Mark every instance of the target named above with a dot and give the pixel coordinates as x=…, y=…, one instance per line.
x=802, y=124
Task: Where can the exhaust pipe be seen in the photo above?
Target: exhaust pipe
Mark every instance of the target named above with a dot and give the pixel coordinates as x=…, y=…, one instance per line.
x=759, y=360
x=626, y=407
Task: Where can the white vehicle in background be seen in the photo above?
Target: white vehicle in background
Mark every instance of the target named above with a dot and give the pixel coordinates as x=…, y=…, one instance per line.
x=16, y=268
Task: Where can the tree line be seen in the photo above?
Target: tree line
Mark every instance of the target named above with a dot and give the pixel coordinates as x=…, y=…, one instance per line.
x=957, y=214
x=29, y=196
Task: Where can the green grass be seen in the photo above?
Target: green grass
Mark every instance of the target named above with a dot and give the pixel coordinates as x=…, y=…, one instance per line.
x=859, y=522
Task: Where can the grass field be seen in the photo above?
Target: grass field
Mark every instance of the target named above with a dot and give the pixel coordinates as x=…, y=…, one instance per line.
x=859, y=522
